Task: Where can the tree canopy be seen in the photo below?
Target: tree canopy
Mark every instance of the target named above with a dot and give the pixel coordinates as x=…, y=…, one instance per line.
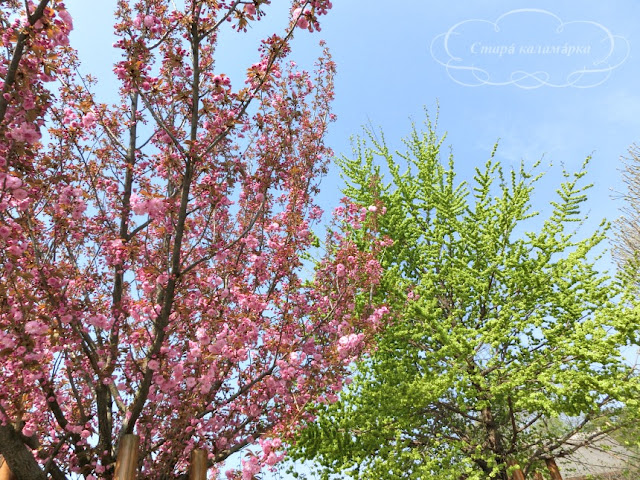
x=506, y=339
x=153, y=252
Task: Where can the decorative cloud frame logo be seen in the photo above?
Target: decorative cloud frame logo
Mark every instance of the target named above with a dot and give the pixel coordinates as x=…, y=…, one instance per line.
x=544, y=51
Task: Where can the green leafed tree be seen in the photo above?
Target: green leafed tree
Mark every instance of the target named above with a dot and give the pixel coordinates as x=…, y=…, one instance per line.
x=506, y=344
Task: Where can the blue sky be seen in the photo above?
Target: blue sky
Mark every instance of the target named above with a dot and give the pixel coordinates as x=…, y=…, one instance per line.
x=387, y=75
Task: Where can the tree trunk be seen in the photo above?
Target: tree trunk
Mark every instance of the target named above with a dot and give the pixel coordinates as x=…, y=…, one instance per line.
x=494, y=441
x=18, y=456
x=516, y=474
x=554, y=471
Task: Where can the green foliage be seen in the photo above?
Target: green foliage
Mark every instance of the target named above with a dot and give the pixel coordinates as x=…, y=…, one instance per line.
x=499, y=330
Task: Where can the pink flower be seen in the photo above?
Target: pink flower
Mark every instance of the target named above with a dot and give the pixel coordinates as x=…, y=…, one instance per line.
x=303, y=23
x=99, y=321
x=16, y=250
x=54, y=282
x=155, y=207
x=164, y=137
x=348, y=343
x=12, y=182
x=153, y=365
x=6, y=341
x=300, y=18
x=149, y=21
x=21, y=196
x=78, y=209
x=341, y=271
x=89, y=120
x=35, y=328
x=372, y=208
x=69, y=116
x=250, y=468
x=273, y=458
x=250, y=241
x=139, y=206
x=27, y=132
x=377, y=315
x=250, y=9
x=28, y=103
x=60, y=38
x=66, y=18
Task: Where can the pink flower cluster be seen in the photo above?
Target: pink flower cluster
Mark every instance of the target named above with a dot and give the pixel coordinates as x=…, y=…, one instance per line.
x=14, y=186
x=348, y=344
x=154, y=207
x=250, y=9
x=252, y=465
x=307, y=19
x=89, y=120
x=270, y=447
x=26, y=132
x=150, y=22
x=302, y=18
x=71, y=198
x=66, y=18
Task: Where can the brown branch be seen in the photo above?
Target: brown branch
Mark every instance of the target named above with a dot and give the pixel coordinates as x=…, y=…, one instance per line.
x=18, y=52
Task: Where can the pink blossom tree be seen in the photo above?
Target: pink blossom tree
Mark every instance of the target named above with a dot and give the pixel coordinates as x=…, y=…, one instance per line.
x=153, y=252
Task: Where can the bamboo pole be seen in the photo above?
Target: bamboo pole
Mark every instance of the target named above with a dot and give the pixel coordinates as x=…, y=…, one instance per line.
x=127, y=462
x=554, y=471
x=5, y=472
x=198, y=466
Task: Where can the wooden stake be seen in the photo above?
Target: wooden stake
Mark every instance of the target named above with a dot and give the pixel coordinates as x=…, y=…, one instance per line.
x=127, y=462
x=198, y=467
x=5, y=472
x=553, y=469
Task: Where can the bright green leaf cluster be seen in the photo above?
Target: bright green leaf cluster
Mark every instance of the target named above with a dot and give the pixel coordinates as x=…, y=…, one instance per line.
x=507, y=339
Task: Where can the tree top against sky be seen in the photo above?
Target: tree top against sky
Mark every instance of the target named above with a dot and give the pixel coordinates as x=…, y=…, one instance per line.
x=507, y=338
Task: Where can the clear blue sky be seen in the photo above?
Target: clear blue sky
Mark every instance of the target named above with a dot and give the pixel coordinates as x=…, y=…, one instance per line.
x=387, y=74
